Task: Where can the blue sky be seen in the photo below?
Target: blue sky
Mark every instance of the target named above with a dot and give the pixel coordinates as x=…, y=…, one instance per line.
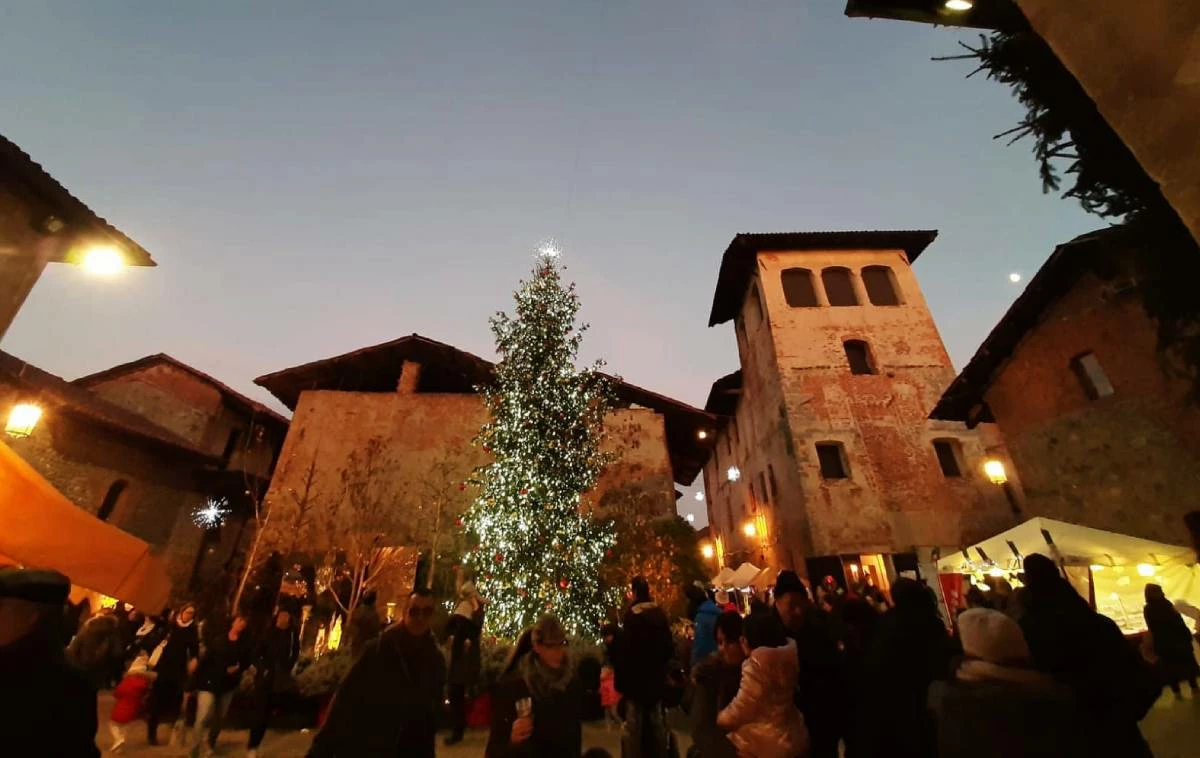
x=316, y=177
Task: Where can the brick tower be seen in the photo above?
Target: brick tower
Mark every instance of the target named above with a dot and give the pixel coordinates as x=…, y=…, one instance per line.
x=826, y=461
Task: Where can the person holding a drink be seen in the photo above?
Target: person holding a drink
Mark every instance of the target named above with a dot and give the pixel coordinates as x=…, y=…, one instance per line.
x=538, y=704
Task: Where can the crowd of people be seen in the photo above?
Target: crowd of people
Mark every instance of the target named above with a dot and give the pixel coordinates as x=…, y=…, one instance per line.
x=1036, y=672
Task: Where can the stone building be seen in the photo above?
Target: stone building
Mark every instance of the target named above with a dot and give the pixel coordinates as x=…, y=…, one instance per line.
x=415, y=399
x=1102, y=432
x=41, y=223
x=142, y=446
x=826, y=462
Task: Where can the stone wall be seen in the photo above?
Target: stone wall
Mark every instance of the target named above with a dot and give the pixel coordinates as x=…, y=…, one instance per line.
x=1140, y=63
x=426, y=438
x=192, y=408
x=1129, y=462
x=83, y=461
x=798, y=390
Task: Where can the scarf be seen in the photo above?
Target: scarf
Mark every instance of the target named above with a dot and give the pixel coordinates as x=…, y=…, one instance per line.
x=975, y=670
x=147, y=626
x=542, y=680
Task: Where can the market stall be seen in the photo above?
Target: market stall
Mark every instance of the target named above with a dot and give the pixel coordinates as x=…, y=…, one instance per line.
x=39, y=527
x=1110, y=567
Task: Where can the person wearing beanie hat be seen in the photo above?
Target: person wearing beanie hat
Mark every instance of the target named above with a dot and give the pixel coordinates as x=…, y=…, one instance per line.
x=46, y=706
x=998, y=704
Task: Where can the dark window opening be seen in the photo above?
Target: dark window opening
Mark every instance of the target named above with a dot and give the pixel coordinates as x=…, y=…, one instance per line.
x=858, y=354
x=880, y=284
x=1091, y=375
x=948, y=454
x=235, y=436
x=110, y=499
x=839, y=286
x=798, y=288
x=762, y=487
x=774, y=484
x=832, y=460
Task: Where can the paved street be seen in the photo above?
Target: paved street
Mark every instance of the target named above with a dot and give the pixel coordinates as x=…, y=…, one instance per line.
x=1172, y=728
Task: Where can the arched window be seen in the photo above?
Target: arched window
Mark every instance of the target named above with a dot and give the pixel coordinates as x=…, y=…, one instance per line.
x=858, y=355
x=110, y=499
x=798, y=288
x=880, y=284
x=839, y=286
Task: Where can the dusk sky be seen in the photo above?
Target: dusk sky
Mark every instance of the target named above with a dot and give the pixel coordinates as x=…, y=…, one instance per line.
x=317, y=177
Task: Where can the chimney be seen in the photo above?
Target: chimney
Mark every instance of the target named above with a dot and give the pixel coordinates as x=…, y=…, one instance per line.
x=410, y=376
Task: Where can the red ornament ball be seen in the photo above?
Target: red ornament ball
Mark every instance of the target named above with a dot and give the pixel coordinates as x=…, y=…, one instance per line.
x=563, y=584
x=458, y=522
x=499, y=557
x=524, y=491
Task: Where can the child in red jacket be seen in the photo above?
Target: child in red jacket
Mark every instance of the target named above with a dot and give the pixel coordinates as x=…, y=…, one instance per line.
x=130, y=697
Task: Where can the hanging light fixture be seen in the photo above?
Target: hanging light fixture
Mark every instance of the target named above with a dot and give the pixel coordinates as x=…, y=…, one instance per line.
x=22, y=419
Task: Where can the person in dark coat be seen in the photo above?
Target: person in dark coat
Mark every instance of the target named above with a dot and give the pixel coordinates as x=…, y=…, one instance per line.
x=46, y=706
x=822, y=690
x=462, y=639
x=217, y=678
x=716, y=679
x=274, y=658
x=172, y=666
x=1171, y=640
x=644, y=651
x=997, y=705
x=1088, y=653
x=537, y=707
x=365, y=624
x=910, y=650
x=389, y=701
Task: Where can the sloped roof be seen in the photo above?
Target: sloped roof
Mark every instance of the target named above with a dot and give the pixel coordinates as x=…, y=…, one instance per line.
x=17, y=165
x=985, y=14
x=738, y=263
x=725, y=394
x=230, y=395
x=445, y=368
x=69, y=398
x=963, y=399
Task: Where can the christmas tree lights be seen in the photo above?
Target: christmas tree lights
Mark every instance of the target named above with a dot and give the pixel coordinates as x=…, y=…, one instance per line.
x=536, y=548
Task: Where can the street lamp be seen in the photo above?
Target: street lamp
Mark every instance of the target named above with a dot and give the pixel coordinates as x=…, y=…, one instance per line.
x=691, y=518
x=997, y=475
x=103, y=260
x=750, y=529
x=707, y=551
x=959, y=5
x=22, y=419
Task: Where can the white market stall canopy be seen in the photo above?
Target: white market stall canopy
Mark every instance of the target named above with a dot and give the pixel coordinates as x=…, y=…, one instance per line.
x=1118, y=566
x=746, y=575
x=1075, y=545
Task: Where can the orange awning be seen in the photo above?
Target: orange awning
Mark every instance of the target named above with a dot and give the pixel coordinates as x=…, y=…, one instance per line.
x=41, y=528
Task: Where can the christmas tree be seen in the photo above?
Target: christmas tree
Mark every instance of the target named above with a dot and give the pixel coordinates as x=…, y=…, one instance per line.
x=536, y=548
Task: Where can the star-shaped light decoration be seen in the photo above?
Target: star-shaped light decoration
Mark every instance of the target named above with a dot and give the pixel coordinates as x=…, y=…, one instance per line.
x=212, y=514
x=549, y=248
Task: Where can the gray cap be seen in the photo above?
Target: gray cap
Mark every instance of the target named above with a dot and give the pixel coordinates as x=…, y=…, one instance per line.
x=36, y=586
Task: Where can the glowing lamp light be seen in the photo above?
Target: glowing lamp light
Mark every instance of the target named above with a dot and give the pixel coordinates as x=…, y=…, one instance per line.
x=707, y=551
x=959, y=5
x=549, y=249
x=699, y=497
x=691, y=518
x=1096, y=567
x=701, y=435
x=733, y=474
x=103, y=260
x=996, y=572
x=1145, y=569
x=22, y=419
x=994, y=470
x=1014, y=277
x=749, y=529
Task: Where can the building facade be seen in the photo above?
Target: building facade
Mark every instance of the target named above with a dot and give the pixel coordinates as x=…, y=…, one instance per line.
x=826, y=462
x=143, y=446
x=1101, y=429
x=412, y=407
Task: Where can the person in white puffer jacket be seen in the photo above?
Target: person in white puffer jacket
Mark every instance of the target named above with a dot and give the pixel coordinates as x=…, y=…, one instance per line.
x=762, y=720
